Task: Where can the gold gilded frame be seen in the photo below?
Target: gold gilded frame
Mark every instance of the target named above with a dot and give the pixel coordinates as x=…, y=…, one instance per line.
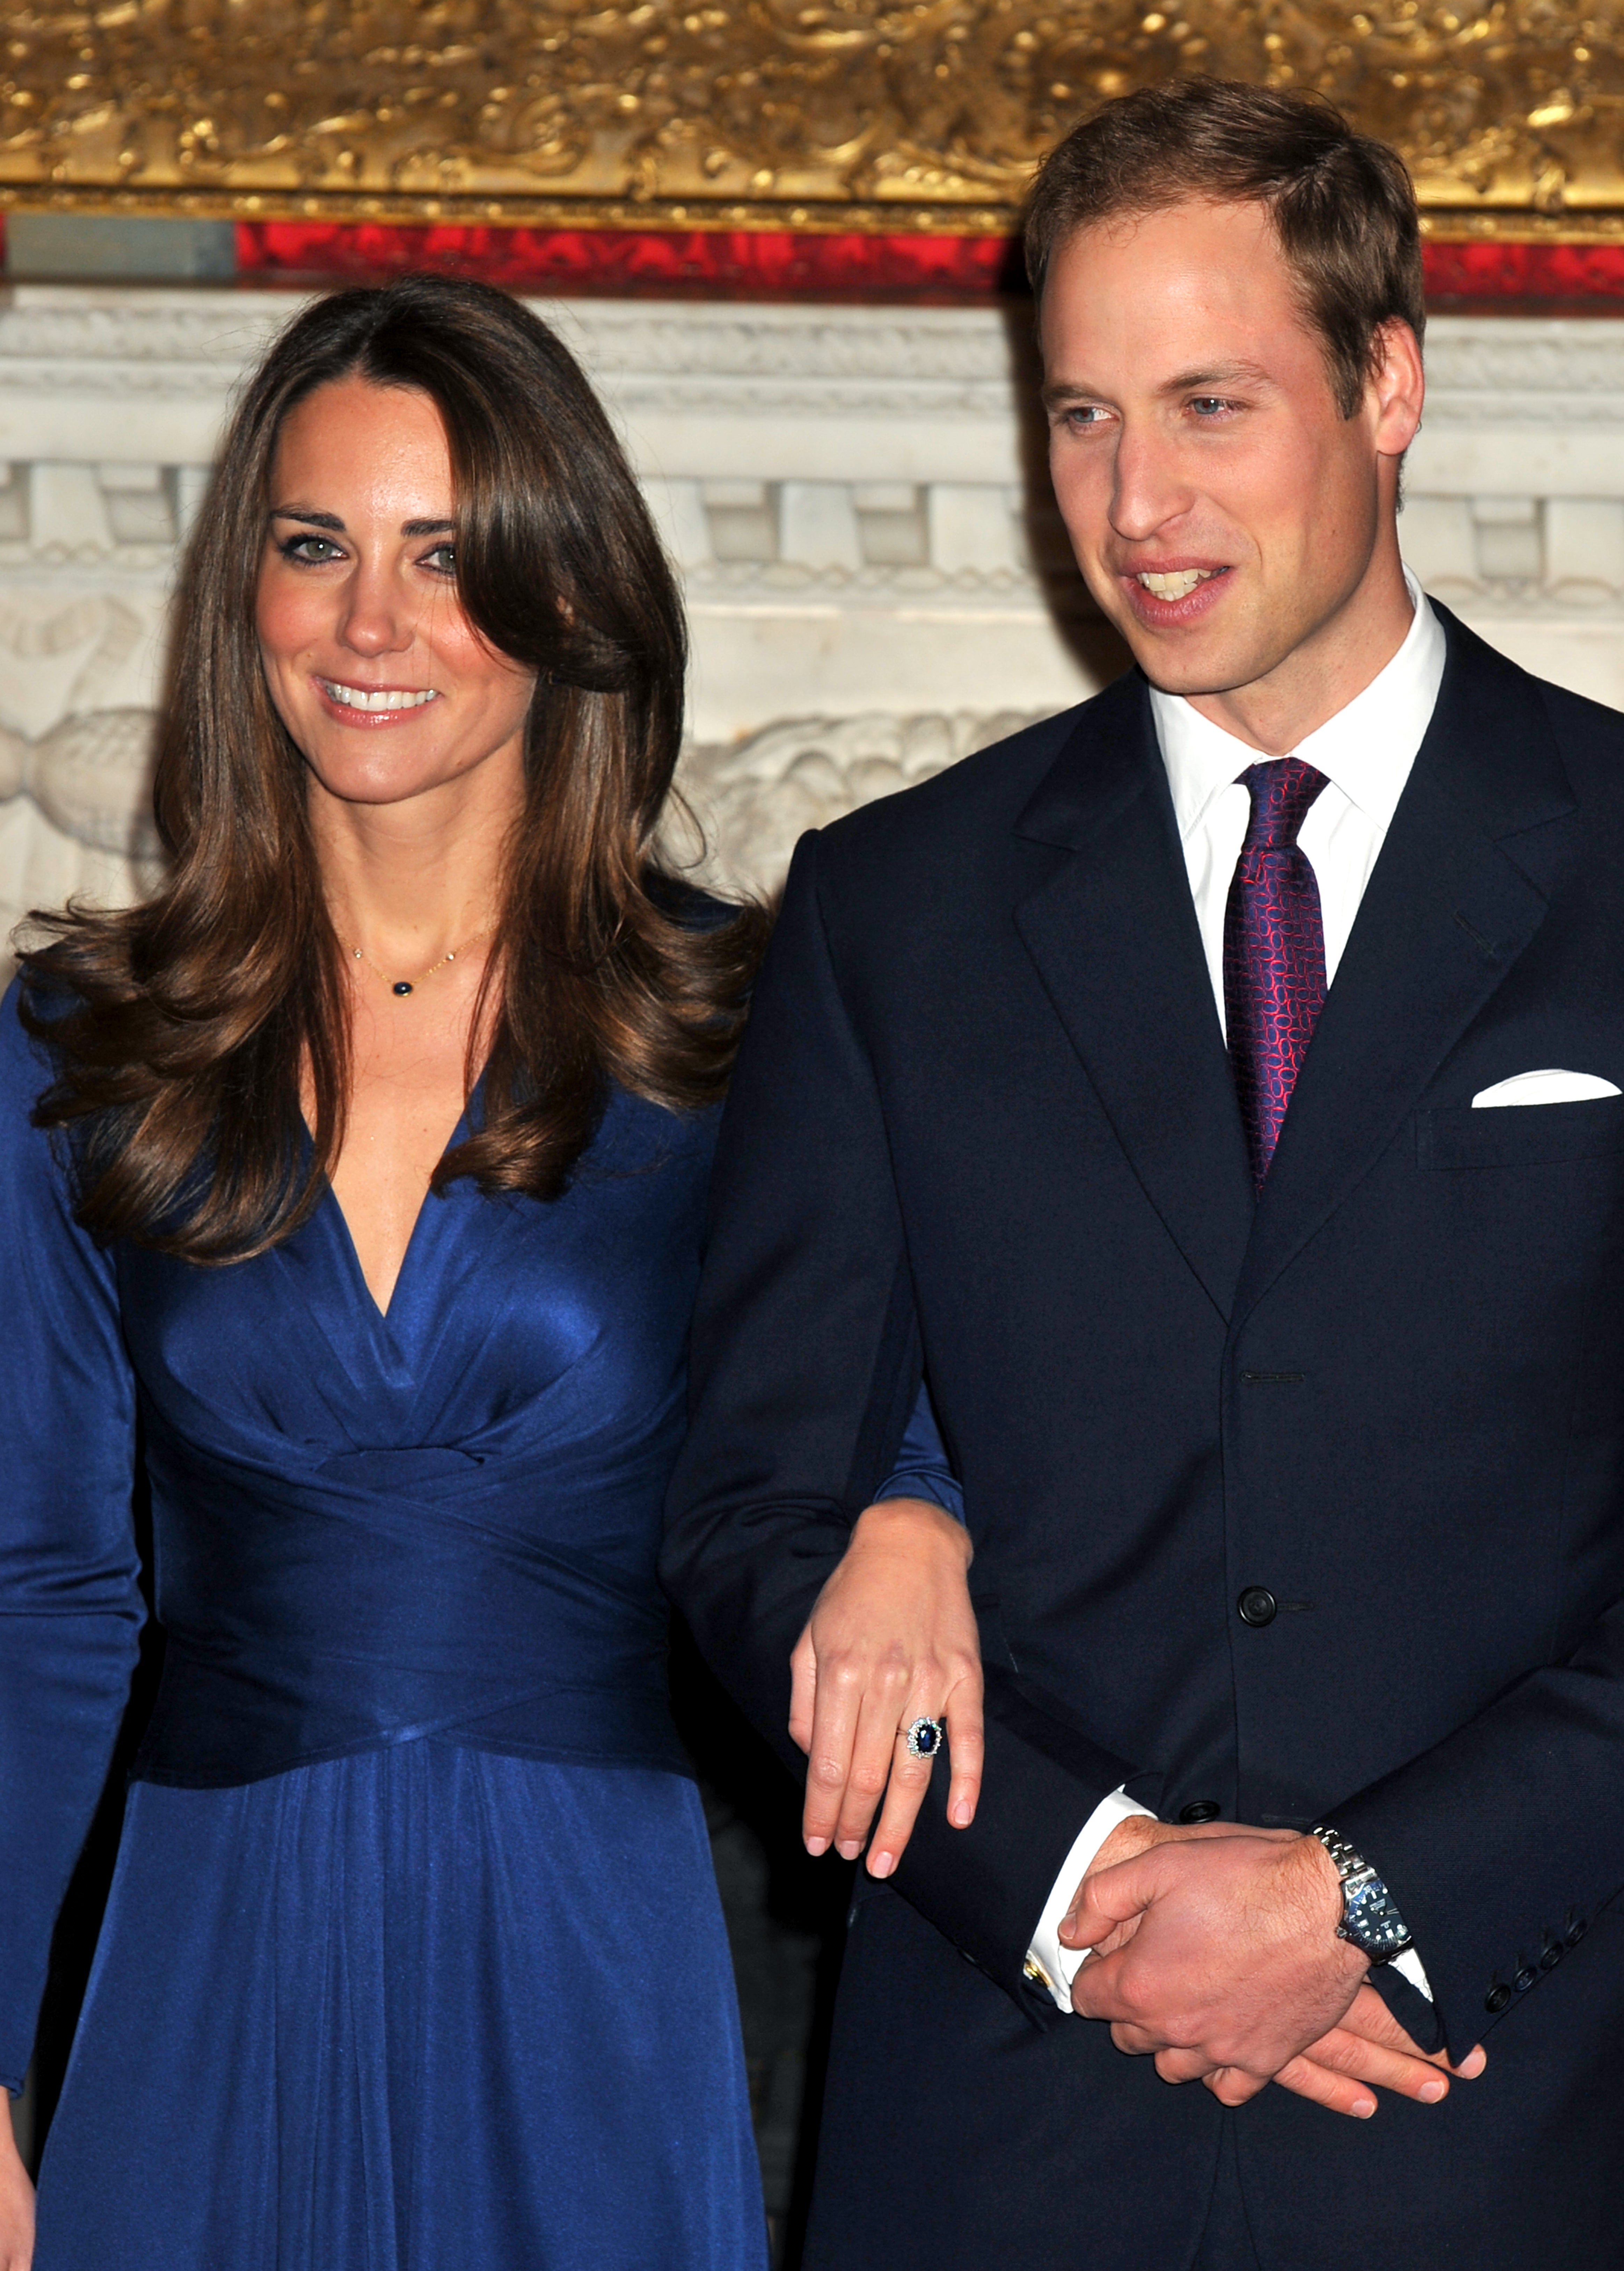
x=873, y=115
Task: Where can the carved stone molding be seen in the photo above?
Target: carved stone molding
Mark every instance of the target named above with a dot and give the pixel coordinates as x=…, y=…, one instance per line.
x=1540, y=371
x=718, y=360
x=179, y=325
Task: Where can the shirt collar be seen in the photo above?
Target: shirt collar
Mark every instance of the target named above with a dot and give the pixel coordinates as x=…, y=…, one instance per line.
x=1367, y=748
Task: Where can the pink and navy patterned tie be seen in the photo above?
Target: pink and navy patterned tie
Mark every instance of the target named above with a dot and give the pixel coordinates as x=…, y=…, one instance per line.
x=1274, y=952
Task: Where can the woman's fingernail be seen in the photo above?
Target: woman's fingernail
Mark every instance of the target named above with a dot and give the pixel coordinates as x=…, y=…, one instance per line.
x=1363, y=2107
x=881, y=1864
x=816, y=1845
x=1472, y=2065
x=1430, y=2092
x=849, y=1848
x=963, y=1814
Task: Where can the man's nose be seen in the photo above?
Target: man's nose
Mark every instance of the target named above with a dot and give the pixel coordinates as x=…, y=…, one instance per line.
x=1148, y=490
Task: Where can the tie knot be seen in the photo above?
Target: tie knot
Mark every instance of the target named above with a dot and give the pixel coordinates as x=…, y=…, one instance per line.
x=1282, y=789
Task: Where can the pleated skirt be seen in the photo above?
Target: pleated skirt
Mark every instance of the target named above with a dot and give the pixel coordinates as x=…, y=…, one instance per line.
x=421, y=2010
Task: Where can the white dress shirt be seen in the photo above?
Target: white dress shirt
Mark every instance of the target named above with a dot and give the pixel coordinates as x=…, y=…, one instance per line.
x=1366, y=752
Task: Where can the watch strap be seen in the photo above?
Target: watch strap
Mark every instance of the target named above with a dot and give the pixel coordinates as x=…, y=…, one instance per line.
x=1370, y=1918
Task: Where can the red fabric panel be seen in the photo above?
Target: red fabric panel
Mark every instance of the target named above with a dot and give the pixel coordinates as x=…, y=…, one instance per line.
x=756, y=263
x=1533, y=274
x=775, y=264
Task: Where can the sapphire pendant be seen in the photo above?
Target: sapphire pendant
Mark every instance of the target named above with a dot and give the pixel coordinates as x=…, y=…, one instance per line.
x=400, y=986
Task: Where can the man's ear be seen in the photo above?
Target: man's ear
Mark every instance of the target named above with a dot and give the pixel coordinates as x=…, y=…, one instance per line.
x=1398, y=387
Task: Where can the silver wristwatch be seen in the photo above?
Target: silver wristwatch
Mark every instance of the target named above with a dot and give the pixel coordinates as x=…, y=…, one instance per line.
x=1370, y=1919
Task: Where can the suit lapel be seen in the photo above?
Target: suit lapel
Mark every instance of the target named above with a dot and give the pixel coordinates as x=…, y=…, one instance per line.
x=1114, y=937
x=1454, y=899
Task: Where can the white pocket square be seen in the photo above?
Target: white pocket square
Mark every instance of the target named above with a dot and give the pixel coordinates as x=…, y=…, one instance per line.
x=1544, y=1088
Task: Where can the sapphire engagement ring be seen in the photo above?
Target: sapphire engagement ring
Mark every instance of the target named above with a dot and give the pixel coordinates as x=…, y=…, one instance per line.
x=925, y=1737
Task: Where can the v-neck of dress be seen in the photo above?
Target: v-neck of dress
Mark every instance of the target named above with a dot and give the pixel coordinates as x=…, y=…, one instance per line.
x=330, y=1197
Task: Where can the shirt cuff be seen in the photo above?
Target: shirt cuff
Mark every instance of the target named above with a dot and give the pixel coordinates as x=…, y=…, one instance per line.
x=1048, y=1964
x=1410, y=1965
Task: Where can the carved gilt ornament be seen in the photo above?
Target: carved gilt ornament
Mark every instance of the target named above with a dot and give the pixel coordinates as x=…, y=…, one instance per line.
x=832, y=115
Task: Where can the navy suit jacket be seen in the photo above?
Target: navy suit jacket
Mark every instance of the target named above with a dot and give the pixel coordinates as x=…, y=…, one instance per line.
x=984, y=1127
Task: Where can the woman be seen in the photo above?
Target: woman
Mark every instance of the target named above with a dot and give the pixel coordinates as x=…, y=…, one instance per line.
x=364, y=1166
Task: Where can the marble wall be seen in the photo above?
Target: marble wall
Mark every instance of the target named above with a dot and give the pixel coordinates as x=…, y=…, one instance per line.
x=877, y=583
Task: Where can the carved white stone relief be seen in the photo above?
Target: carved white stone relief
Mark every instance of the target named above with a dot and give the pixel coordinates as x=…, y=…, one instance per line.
x=753, y=800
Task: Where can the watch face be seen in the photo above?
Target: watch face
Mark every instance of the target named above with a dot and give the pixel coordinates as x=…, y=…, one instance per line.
x=1371, y=1920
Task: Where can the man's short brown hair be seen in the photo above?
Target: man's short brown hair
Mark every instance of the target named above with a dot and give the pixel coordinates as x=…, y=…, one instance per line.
x=1342, y=204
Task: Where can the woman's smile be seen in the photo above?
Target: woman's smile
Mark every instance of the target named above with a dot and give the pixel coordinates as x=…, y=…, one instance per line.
x=373, y=705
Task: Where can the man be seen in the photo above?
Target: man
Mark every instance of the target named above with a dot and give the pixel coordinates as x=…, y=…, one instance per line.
x=1141, y=1084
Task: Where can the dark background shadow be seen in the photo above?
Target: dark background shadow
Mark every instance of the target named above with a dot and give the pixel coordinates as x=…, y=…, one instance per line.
x=786, y=1918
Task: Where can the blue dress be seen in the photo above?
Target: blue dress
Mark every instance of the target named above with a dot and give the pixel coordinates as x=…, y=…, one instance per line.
x=413, y=1960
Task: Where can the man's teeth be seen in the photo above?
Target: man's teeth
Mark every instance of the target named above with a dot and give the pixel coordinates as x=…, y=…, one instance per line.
x=357, y=697
x=1180, y=584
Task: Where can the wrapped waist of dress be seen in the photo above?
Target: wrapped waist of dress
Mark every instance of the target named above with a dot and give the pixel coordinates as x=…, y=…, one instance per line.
x=404, y=1596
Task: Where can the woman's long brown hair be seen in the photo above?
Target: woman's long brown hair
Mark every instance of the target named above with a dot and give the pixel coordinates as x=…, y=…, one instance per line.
x=179, y=1028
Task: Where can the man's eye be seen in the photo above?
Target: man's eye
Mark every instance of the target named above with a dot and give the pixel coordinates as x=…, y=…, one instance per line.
x=1209, y=406
x=1085, y=414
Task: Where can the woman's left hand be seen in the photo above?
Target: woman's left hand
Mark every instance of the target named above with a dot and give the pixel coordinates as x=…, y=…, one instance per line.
x=892, y=1640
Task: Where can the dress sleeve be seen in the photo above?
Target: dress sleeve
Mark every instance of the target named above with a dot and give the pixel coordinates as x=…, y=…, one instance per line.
x=921, y=1467
x=70, y=1606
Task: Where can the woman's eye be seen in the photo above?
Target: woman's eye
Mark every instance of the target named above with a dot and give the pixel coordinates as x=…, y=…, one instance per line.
x=311, y=551
x=442, y=560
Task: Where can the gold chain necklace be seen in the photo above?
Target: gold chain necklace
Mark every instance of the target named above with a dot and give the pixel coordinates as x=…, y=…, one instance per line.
x=402, y=986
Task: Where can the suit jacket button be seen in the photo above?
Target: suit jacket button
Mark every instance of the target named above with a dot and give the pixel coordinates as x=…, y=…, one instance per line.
x=1201, y=1809
x=1550, y=1955
x=1495, y=2001
x=1525, y=1977
x=1257, y=1605
x=1576, y=1931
